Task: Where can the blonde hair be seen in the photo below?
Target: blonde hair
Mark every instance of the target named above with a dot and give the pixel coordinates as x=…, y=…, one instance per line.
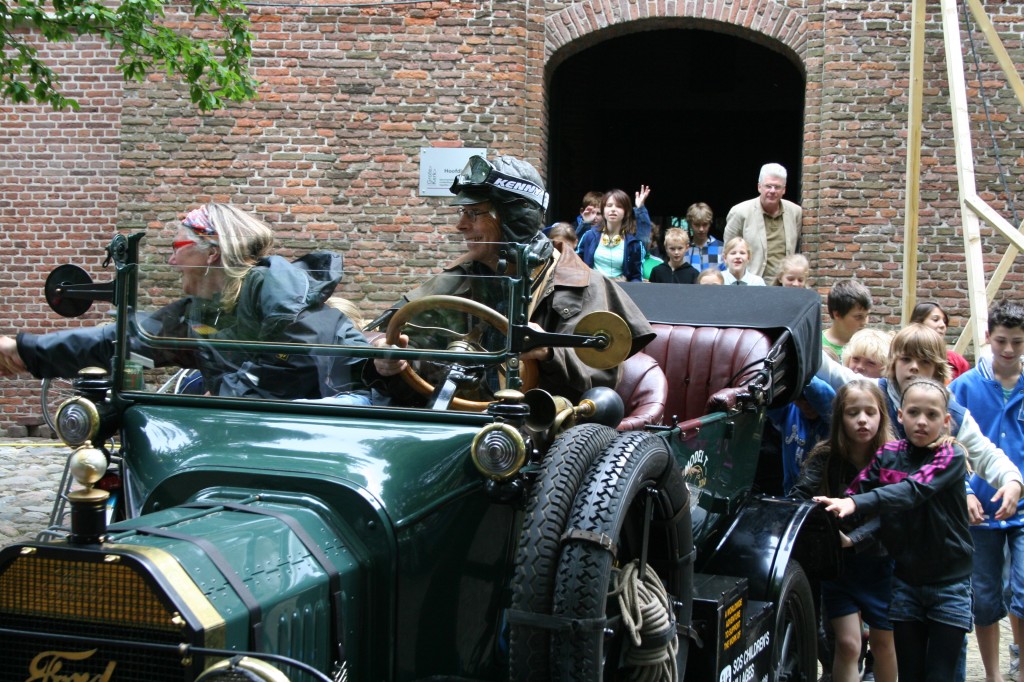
x=699, y=213
x=349, y=309
x=792, y=262
x=712, y=271
x=243, y=240
x=872, y=344
x=733, y=243
x=923, y=343
x=677, y=233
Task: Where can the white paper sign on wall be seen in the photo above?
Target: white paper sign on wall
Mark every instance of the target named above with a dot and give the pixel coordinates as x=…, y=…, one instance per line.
x=440, y=165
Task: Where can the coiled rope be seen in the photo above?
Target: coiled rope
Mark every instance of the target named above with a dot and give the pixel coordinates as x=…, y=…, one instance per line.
x=647, y=616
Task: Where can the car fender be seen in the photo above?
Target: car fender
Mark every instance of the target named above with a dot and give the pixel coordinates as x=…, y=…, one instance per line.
x=766, y=534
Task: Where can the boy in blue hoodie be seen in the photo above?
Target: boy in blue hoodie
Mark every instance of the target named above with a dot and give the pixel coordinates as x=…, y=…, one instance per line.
x=994, y=392
x=801, y=424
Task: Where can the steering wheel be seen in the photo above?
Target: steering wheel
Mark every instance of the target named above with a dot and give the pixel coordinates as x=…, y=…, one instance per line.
x=528, y=369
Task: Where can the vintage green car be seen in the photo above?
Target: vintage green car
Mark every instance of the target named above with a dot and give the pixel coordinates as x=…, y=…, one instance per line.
x=257, y=538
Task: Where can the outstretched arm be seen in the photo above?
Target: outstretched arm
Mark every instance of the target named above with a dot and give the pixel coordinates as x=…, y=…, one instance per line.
x=11, y=363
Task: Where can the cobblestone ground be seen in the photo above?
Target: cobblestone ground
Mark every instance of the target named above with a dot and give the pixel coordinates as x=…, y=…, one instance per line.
x=30, y=469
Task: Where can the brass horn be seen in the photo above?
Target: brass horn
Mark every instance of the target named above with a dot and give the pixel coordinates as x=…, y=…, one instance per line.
x=552, y=414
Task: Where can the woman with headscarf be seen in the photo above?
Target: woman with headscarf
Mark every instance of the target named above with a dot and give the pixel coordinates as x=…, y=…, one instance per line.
x=235, y=289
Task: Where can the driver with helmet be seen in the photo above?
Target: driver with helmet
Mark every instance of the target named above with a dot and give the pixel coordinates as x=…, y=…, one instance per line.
x=505, y=201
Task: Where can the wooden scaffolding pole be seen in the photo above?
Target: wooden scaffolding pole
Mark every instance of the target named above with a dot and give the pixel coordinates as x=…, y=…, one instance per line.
x=984, y=211
x=970, y=223
x=973, y=210
x=913, y=198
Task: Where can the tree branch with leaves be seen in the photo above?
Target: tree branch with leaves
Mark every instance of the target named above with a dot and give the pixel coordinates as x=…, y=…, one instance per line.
x=216, y=69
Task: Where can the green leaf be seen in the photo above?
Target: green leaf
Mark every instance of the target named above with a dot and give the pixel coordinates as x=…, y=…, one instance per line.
x=216, y=69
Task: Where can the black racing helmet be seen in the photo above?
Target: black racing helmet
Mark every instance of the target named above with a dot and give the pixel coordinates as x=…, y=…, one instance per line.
x=513, y=186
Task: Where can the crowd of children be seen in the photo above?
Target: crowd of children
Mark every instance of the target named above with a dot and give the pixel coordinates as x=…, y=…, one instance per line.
x=914, y=486
x=617, y=237
x=891, y=451
x=890, y=448
x=946, y=544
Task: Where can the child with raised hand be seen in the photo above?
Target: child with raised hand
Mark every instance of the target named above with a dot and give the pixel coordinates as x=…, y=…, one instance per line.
x=916, y=486
x=590, y=213
x=860, y=427
x=994, y=390
x=794, y=271
x=616, y=249
x=737, y=255
x=918, y=351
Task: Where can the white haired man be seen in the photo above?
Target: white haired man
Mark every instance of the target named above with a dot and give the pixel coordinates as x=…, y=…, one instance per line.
x=769, y=223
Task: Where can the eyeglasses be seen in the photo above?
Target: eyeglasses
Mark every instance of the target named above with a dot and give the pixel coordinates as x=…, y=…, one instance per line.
x=772, y=186
x=470, y=213
x=180, y=245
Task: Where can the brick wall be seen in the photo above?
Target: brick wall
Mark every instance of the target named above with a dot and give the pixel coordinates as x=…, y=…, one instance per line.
x=863, y=120
x=58, y=200
x=329, y=152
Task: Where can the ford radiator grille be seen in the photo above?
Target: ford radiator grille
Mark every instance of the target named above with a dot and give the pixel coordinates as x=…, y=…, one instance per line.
x=74, y=614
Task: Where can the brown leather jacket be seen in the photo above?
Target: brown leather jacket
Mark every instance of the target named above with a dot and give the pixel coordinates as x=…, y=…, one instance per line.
x=573, y=291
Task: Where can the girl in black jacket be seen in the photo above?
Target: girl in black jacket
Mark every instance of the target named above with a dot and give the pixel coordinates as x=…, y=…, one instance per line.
x=860, y=427
x=917, y=487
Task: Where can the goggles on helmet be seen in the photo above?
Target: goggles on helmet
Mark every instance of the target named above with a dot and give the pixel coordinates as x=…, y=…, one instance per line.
x=479, y=174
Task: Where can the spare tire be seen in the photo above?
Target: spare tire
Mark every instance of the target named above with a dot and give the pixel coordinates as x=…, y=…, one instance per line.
x=547, y=509
x=606, y=527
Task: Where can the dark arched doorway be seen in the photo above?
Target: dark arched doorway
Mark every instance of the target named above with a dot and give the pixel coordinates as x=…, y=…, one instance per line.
x=692, y=113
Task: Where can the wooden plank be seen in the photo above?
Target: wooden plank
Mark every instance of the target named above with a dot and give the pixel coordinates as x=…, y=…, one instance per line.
x=994, y=282
x=996, y=221
x=996, y=43
x=913, y=197
x=970, y=224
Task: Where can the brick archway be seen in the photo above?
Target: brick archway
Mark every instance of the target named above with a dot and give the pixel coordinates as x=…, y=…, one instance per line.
x=788, y=38
x=764, y=17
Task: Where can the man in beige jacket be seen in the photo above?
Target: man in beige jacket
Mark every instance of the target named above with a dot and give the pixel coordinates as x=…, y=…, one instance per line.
x=769, y=223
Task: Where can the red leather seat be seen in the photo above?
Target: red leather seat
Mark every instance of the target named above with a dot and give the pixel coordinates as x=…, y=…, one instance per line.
x=698, y=362
x=644, y=389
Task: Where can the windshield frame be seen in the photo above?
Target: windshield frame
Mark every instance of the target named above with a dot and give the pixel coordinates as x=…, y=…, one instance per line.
x=132, y=331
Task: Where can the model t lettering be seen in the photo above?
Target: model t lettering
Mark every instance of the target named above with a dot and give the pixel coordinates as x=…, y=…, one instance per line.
x=48, y=666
